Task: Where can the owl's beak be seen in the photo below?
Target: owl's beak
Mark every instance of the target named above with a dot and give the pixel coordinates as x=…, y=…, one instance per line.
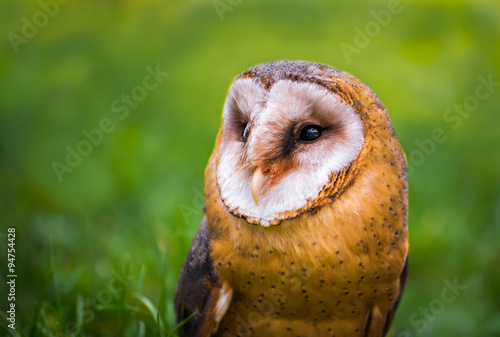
x=259, y=180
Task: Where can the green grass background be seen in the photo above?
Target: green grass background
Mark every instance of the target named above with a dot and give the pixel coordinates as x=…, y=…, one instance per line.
x=134, y=203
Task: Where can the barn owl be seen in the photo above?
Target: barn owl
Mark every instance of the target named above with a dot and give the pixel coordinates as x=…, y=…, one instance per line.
x=305, y=227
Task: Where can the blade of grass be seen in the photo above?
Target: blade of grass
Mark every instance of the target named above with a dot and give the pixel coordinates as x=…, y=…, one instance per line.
x=125, y=317
x=163, y=303
x=148, y=304
x=57, y=288
x=158, y=324
x=80, y=306
x=142, y=329
x=70, y=282
x=178, y=326
x=61, y=333
x=36, y=314
x=142, y=276
x=140, y=285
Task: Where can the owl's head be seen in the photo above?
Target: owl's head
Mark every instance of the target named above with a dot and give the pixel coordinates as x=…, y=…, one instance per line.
x=290, y=134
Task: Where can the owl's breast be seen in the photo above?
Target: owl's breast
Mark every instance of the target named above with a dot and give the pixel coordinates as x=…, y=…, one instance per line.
x=310, y=272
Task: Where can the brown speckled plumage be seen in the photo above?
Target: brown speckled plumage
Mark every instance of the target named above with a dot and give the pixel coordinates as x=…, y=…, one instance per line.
x=335, y=267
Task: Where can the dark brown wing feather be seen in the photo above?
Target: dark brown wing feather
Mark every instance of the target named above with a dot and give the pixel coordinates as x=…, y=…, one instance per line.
x=197, y=289
x=402, y=282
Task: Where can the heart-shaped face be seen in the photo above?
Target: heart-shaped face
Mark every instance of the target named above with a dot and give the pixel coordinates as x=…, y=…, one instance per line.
x=281, y=144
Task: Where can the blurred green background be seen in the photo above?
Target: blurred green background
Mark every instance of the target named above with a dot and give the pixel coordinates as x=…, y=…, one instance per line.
x=98, y=253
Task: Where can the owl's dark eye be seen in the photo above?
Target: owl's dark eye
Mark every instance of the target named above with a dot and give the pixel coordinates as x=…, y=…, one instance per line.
x=244, y=132
x=311, y=132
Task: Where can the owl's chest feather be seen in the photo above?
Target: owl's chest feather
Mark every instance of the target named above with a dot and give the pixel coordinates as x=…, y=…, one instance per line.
x=315, y=272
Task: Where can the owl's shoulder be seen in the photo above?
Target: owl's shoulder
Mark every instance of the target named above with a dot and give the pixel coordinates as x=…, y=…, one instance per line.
x=200, y=298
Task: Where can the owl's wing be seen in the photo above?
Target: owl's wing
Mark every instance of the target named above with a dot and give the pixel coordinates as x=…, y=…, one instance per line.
x=198, y=289
x=379, y=321
x=402, y=282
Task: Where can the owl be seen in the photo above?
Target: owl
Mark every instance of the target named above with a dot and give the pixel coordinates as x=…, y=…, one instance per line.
x=305, y=226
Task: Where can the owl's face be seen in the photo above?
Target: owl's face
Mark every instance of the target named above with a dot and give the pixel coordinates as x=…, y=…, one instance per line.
x=281, y=143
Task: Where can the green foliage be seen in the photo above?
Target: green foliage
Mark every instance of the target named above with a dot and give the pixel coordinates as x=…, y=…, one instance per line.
x=99, y=249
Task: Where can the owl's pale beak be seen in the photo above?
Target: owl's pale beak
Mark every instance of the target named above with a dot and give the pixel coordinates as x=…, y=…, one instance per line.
x=259, y=180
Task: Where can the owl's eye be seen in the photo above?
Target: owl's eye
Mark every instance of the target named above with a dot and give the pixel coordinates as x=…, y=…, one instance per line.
x=244, y=132
x=311, y=132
